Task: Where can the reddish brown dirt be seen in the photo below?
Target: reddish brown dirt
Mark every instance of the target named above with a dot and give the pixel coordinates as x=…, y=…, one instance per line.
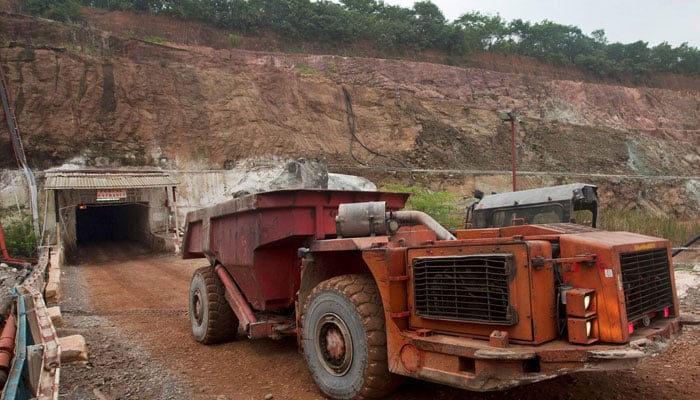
x=131, y=305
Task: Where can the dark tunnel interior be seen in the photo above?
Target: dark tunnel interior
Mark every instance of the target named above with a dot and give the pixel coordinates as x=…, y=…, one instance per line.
x=105, y=223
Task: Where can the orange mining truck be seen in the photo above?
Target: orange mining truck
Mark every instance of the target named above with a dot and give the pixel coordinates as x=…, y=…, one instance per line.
x=374, y=293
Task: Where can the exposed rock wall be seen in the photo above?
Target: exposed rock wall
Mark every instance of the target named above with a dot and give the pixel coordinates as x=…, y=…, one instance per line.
x=109, y=101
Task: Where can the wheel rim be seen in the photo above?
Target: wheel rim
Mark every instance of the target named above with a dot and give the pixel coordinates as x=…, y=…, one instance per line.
x=334, y=344
x=197, y=307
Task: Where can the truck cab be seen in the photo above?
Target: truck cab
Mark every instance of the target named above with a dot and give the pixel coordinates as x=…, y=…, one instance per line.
x=575, y=202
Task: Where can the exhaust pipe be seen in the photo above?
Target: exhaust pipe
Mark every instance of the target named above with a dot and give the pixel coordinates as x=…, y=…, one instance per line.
x=371, y=218
x=419, y=217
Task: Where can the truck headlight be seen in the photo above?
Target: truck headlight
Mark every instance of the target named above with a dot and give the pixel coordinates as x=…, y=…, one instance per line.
x=589, y=327
x=582, y=330
x=580, y=302
x=582, y=316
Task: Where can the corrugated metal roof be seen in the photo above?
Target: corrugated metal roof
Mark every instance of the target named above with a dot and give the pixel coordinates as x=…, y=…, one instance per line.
x=107, y=180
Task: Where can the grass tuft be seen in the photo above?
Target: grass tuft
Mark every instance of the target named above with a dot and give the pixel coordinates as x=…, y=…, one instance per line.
x=673, y=229
x=440, y=205
x=303, y=69
x=154, y=39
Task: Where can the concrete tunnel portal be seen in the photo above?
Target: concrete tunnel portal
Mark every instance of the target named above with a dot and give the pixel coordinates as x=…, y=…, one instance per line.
x=93, y=207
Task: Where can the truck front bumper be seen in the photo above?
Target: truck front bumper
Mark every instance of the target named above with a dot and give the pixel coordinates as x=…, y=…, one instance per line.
x=473, y=364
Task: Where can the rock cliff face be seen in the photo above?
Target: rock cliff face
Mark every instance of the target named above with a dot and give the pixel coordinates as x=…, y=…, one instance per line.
x=100, y=99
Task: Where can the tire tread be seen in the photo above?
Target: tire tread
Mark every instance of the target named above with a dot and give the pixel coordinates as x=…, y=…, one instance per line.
x=223, y=324
x=362, y=292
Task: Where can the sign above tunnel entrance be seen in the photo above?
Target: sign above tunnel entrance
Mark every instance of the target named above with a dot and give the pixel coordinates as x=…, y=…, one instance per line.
x=111, y=194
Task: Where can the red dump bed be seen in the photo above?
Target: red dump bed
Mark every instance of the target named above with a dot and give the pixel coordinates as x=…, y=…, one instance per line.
x=256, y=237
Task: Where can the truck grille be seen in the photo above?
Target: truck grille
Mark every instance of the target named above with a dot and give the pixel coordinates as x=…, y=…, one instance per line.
x=646, y=278
x=466, y=288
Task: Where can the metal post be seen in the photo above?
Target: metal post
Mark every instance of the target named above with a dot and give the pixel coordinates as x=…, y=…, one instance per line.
x=512, y=149
x=177, y=220
x=509, y=116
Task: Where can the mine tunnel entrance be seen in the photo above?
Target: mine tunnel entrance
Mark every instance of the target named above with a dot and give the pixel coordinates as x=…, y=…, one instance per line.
x=107, y=223
x=113, y=210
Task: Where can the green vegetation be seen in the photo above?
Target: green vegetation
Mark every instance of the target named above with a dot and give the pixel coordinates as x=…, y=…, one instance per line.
x=303, y=69
x=234, y=39
x=19, y=237
x=639, y=222
x=397, y=29
x=154, y=39
x=130, y=34
x=60, y=10
x=440, y=205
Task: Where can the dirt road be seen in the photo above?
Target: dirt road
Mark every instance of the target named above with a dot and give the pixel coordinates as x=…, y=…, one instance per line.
x=131, y=306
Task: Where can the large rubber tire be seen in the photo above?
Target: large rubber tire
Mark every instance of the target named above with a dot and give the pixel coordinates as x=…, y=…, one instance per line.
x=344, y=339
x=212, y=318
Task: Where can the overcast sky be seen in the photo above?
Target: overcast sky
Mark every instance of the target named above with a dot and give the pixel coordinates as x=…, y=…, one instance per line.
x=625, y=21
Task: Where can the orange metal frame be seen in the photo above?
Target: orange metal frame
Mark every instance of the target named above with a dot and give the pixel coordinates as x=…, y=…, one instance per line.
x=527, y=352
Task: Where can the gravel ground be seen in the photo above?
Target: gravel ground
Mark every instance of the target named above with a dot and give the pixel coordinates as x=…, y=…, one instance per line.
x=117, y=365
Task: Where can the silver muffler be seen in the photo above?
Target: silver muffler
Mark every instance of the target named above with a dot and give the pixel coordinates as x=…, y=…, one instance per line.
x=371, y=219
